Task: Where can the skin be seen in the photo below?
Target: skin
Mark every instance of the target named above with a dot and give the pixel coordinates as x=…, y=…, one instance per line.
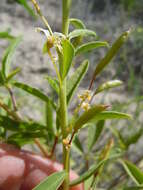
x=23, y=170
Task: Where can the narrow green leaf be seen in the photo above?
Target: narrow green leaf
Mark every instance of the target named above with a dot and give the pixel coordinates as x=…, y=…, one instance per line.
x=49, y=118
x=77, y=23
x=12, y=74
x=2, y=79
x=108, y=85
x=110, y=54
x=28, y=135
x=76, y=149
x=90, y=46
x=9, y=123
x=5, y=34
x=91, y=135
x=133, y=138
x=22, y=126
x=53, y=83
x=94, y=133
x=111, y=115
x=35, y=92
x=67, y=57
x=133, y=187
x=45, y=48
x=81, y=32
x=27, y=7
x=104, y=154
x=87, y=183
x=23, y=138
x=52, y=182
x=119, y=137
x=135, y=173
x=19, y=142
x=78, y=144
x=92, y=170
x=88, y=115
x=8, y=55
x=74, y=81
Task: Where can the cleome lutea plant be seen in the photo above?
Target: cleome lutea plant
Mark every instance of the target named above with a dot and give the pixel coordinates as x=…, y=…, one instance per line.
x=63, y=129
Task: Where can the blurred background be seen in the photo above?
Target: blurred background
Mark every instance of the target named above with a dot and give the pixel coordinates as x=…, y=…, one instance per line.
x=109, y=18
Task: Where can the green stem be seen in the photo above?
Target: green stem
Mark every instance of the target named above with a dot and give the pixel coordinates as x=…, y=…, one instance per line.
x=63, y=100
x=66, y=8
x=66, y=163
x=42, y=16
x=55, y=66
x=63, y=109
x=12, y=98
x=63, y=124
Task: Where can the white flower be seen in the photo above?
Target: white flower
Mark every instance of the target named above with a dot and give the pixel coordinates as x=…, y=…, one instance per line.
x=85, y=106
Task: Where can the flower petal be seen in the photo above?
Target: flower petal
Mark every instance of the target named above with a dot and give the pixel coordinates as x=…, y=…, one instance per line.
x=46, y=32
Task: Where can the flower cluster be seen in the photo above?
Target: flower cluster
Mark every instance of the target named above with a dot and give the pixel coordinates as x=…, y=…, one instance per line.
x=85, y=98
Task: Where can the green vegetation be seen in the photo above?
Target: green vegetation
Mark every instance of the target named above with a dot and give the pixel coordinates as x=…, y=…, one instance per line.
x=62, y=125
